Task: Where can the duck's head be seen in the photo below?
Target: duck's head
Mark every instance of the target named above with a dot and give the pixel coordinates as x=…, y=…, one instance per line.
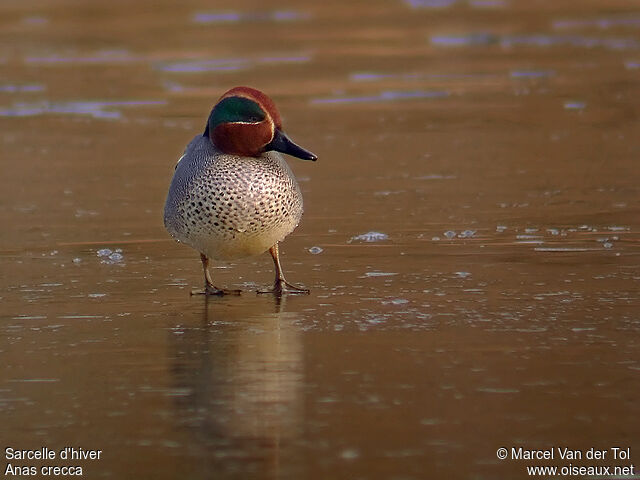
x=246, y=122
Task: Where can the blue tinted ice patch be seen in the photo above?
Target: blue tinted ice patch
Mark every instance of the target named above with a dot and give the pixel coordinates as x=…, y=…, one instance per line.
x=601, y=23
x=234, y=17
x=430, y=3
x=100, y=57
x=226, y=64
x=510, y=41
x=197, y=66
x=574, y=105
x=464, y=40
x=26, y=88
x=216, y=17
x=93, y=109
x=386, y=96
x=531, y=73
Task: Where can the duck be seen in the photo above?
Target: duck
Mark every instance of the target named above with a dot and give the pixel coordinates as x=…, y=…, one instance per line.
x=232, y=194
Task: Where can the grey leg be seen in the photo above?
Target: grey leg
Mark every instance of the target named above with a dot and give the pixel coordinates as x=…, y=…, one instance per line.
x=280, y=285
x=209, y=287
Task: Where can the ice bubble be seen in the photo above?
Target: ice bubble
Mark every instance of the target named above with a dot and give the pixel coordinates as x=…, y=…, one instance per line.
x=370, y=237
x=380, y=274
x=116, y=257
x=399, y=301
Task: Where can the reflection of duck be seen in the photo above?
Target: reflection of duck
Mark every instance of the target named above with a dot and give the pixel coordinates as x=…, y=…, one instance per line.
x=241, y=372
x=232, y=194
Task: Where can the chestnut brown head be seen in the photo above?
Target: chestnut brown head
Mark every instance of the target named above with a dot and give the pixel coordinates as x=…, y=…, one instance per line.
x=246, y=122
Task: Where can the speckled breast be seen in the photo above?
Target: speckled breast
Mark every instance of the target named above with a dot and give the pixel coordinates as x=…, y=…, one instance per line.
x=227, y=206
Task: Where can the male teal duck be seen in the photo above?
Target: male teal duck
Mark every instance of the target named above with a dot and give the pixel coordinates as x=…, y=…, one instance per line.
x=232, y=194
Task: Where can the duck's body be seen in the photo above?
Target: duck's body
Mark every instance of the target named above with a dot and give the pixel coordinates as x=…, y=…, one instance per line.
x=230, y=206
x=232, y=194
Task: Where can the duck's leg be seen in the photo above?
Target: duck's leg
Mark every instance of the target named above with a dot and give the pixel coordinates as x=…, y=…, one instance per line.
x=209, y=287
x=280, y=285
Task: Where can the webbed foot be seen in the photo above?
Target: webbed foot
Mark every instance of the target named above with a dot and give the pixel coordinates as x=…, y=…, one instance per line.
x=282, y=286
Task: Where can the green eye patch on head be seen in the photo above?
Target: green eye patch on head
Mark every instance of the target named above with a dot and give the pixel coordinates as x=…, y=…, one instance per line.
x=236, y=109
